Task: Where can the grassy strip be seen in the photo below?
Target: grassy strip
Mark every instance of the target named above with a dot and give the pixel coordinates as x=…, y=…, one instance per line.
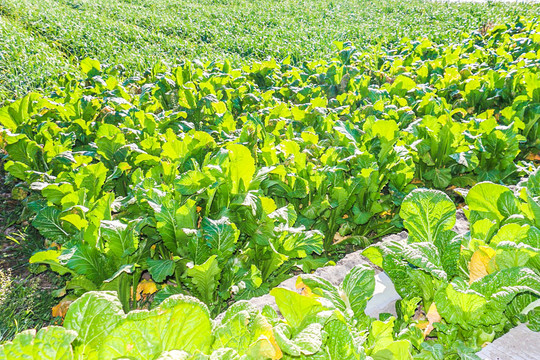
x=25, y=291
x=242, y=30
x=139, y=33
x=26, y=61
x=91, y=34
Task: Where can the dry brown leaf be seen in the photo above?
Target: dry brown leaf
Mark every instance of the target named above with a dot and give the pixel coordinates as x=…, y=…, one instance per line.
x=533, y=157
x=433, y=316
x=61, y=308
x=338, y=238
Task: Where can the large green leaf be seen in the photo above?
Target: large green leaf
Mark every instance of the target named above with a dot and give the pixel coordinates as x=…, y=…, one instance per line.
x=192, y=182
x=205, y=278
x=427, y=214
x=490, y=284
x=488, y=199
x=137, y=337
x=179, y=323
x=172, y=218
x=121, y=239
x=307, y=342
x=51, y=258
x=358, y=286
x=324, y=288
x=463, y=307
x=23, y=150
x=91, y=178
x=221, y=236
x=47, y=221
x=383, y=346
x=425, y=256
x=159, y=269
x=241, y=168
x=242, y=329
x=18, y=112
x=449, y=248
x=298, y=243
x=50, y=343
x=93, y=316
x=340, y=344
x=295, y=307
x=234, y=333
x=88, y=261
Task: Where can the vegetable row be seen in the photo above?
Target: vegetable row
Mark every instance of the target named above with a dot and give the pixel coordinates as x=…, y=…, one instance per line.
x=458, y=294
x=219, y=182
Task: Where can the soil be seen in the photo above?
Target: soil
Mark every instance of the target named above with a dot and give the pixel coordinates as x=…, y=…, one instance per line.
x=13, y=256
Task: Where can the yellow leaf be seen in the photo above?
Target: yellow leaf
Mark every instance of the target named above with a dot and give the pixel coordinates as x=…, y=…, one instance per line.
x=478, y=266
x=265, y=346
x=124, y=166
x=305, y=290
x=422, y=324
x=61, y=308
x=386, y=213
x=145, y=287
x=268, y=205
x=433, y=316
x=277, y=351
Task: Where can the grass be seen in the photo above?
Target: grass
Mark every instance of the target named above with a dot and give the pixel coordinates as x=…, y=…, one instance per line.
x=24, y=304
x=138, y=33
x=26, y=61
x=25, y=291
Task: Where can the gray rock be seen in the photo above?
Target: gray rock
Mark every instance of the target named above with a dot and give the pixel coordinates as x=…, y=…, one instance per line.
x=520, y=343
x=396, y=237
x=384, y=298
x=262, y=301
x=289, y=283
x=336, y=274
x=462, y=224
x=353, y=259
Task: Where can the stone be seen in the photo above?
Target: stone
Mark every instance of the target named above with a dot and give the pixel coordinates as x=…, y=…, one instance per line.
x=262, y=301
x=384, y=298
x=462, y=224
x=336, y=274
x=520, y=343
x=395, y=237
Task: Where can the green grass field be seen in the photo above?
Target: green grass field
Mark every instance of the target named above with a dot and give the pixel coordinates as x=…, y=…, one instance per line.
x=43, y=38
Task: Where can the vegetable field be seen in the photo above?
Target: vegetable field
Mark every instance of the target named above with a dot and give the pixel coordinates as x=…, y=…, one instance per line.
x=44, y=38
x=165, y=193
